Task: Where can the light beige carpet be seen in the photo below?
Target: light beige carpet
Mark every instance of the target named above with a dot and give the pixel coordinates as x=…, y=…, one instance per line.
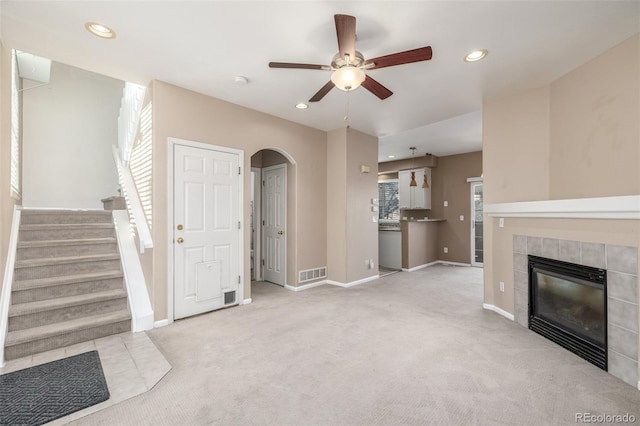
x=411, y=348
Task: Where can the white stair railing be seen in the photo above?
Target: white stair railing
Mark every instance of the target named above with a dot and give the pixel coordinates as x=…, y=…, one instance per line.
x=137, y=218
x=130, y=107
x=139, y=302
x=5, y=295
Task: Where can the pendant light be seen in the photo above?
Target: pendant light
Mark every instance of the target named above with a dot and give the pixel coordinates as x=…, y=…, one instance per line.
x=425, y=184
x=413, y=174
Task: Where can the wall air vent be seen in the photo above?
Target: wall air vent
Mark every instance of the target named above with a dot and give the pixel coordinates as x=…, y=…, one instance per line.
x=229, y=297
x=312, y=274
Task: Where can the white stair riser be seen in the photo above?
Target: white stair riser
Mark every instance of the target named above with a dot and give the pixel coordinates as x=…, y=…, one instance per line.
x=66, y=251
x=64, y=234
x=28, y=218
x=71, y=338
x=66, y=269
x=67, y=313
x=64, y=290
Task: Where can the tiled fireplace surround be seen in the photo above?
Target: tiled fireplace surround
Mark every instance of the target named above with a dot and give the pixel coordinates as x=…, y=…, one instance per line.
x=621, y=264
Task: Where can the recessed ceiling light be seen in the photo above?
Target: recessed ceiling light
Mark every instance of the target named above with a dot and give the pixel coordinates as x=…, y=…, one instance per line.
x=241, y=80
x=302, y=105
x=100, y=30
x=476, y=55
x=392, y=156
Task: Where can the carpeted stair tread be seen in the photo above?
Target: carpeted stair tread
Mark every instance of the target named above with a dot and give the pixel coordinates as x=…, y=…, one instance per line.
x=80, y=241
x=63, y=302
x=48, y=226
x=65, y=279
x=50, y=330
x=29, y=263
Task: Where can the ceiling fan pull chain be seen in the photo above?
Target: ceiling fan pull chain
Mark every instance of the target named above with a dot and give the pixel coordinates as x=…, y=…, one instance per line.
x=346, y=111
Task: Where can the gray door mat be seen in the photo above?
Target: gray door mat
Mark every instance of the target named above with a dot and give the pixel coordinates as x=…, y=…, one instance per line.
x=46, y=392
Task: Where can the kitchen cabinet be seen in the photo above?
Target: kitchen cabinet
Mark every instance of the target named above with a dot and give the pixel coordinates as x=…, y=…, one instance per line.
x=414, y=197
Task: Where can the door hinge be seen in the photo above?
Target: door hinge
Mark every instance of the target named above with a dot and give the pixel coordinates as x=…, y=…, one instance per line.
x=263, y=183
x=239, y=170
x=238, y=279
x=263, y=223
x=238, y=224
x=262, y=262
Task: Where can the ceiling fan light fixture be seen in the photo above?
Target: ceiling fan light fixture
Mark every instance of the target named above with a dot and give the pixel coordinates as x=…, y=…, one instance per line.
x=348, y=78
x=476, y=55
x=100, y=30
x=302, y=105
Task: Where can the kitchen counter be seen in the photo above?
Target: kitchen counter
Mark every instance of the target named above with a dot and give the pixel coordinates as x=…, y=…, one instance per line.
x=423, y=220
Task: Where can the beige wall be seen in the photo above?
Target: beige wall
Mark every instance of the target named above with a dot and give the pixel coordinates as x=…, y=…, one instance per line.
x=184, y=114
x=515, y=135
x=449, y=183
x=336, y=207
x=595, y=127
x=585, y=123
x=362, y=232
x=352, y=236
x=6, y=201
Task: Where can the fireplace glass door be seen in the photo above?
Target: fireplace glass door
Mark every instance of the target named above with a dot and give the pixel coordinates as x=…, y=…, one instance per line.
x=568, y=305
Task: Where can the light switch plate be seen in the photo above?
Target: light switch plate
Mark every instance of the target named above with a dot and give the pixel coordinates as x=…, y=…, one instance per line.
x=501, y=222
x=461, y=218
x=446, y=204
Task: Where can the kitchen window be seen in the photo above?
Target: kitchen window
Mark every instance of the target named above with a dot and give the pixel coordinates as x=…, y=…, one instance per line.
x=388, y=198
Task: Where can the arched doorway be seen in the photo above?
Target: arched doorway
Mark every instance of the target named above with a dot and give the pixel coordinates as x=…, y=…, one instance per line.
x=272, y=192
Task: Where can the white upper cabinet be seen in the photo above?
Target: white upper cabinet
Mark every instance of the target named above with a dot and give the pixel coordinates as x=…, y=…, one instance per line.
x=414, y=197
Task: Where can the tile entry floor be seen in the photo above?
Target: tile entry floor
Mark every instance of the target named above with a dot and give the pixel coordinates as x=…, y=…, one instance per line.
x=131, y=364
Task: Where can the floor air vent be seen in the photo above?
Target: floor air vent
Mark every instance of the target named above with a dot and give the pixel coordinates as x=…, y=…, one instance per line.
x=229, y=297
x=312, y=274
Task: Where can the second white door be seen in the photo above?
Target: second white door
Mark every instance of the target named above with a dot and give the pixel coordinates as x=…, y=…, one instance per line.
x=274, y=215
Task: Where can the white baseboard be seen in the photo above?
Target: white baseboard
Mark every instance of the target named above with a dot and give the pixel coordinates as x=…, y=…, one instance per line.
x=445, y=262
x=161, y=323
x=498, y=311
x=306, y=286
x=415, y=268
x=353, y=283
x=247, y=301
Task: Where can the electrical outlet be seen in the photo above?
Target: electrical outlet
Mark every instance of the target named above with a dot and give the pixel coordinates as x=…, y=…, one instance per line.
x=446, y=204
x=371, y=263
x=501, y=222
x=366, y=262
x=461, y=218
x=374, y=219
x=501, y=286
x=446, y=249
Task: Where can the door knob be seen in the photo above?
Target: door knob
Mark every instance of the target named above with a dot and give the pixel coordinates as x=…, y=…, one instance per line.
x=280, y=232
x=179, y=227
x=180, y=240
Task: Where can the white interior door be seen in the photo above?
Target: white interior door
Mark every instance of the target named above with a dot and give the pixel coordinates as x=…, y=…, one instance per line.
x=274, y=219
x=206, y=230
x=477, y=209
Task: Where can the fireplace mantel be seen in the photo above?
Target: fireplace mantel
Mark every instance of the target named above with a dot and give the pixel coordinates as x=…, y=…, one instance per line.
x=621, y=207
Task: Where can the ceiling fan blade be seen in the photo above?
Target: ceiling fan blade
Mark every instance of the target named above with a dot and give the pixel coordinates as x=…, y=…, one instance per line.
x=346, y=31
x=322, y=92
x=376, y=88
x=406, y=57
x=298, y=66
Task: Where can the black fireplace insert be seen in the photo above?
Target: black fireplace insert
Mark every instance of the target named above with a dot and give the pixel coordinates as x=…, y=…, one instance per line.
x=568, y=305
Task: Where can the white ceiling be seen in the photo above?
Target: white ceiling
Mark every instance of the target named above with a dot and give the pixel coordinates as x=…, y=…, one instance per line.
x=436, y=106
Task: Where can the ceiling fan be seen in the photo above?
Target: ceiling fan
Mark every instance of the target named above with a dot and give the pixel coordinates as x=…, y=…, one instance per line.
x=349, y=65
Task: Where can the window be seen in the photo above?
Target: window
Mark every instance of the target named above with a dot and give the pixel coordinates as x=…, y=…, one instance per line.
x=15, y=127
x=389, y=202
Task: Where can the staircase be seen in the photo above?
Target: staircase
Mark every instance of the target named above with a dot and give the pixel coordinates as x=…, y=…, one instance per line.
x=68, y=284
